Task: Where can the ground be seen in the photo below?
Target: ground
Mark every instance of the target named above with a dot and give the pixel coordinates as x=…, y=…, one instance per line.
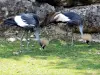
x=58, y=58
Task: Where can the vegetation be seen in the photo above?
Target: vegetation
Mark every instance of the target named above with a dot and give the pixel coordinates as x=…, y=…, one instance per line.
x=58, y=58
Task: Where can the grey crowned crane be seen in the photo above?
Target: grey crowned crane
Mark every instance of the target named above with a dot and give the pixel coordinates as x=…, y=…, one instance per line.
x=70, y=18
x=28, y=22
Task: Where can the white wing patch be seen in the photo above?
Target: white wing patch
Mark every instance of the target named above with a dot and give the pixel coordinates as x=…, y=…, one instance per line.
x=20, y=21
x=61, y=17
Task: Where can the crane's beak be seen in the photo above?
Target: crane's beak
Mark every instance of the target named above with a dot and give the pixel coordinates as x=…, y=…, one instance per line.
x=87, y=41
x=42, y=45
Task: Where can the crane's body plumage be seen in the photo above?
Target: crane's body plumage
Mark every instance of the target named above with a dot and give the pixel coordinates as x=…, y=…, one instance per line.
x=70, y=18
x=72, y=15
x=61, y=18
x=27, y=21
x=75, y=20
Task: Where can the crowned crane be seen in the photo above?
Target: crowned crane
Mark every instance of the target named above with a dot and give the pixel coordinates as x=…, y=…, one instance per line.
x=28, y=22
x=70, y=18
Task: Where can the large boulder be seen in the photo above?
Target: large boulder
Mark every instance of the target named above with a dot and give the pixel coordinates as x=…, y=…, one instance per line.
x=57, y=2
x=69, y=3
x=90, y=13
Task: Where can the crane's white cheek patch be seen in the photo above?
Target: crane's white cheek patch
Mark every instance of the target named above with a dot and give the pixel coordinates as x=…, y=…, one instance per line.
x=20, y=21
x=61, y=17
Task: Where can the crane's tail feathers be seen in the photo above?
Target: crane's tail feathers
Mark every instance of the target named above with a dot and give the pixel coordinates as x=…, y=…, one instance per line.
x=9, y=21
x=81, y=30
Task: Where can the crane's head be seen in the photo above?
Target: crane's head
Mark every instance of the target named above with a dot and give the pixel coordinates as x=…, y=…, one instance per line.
x=44, y=42
x=87, y=38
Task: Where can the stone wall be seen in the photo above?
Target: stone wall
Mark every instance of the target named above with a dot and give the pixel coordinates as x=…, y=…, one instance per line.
x=87, y=9
x=69, y=3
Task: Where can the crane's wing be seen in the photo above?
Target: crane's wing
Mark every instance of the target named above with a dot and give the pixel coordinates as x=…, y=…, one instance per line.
x=30, y=19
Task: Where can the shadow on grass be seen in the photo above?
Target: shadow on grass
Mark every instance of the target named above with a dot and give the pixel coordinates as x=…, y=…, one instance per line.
x=80, y=56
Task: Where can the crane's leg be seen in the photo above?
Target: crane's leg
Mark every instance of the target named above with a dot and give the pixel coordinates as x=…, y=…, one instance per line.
x=21, y=45
x=36, y=33
x=33, y=39
x=72, y=37
x=27, y=39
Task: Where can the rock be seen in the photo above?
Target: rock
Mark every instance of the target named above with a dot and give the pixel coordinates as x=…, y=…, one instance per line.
x=69, y=3
x=11, y=39
x=87, y=2
x=2, y=1
x=43, y=10
x=90, y=13
x=57, y=2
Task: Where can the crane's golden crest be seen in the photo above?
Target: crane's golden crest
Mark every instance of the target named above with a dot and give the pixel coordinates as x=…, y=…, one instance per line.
x=87, y=37
x=44, y=41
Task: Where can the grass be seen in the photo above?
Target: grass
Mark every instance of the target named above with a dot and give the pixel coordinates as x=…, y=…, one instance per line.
x=58, y=58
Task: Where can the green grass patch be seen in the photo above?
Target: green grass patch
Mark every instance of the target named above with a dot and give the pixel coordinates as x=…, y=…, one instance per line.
x=58, y=58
